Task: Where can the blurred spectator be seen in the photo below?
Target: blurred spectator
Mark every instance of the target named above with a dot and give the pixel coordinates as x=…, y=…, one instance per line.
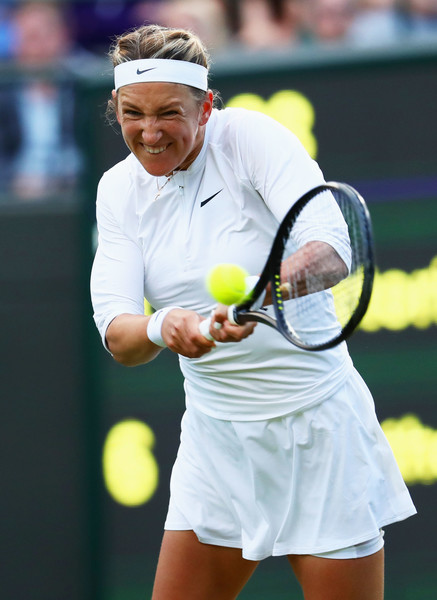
x=38, y=153
x=420, y=18
x=267, y=24
x=328, y=21
x=264, y=24
x=6, y=32
x=101, y=20
x=206, y=18
x=376, y=23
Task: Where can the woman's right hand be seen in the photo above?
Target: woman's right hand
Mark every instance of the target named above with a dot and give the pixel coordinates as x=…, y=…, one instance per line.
x=180, y=331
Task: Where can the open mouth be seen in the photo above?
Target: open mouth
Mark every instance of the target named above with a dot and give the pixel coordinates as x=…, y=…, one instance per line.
x=155, y=149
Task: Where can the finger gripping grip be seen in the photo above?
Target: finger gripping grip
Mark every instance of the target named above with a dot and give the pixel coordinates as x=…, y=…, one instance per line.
x=204, y=328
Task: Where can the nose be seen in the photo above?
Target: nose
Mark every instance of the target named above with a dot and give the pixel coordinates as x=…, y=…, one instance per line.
x=151, y=132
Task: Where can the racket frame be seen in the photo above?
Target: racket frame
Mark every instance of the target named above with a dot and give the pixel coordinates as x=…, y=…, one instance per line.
x=243, y=313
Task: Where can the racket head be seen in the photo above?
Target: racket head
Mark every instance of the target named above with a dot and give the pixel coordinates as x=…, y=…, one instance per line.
x=329, y=314
x=322, y=319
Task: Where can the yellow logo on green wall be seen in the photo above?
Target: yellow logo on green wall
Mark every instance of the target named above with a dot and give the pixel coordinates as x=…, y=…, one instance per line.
x=130, y=468
x=414, y=445
x=400, y=300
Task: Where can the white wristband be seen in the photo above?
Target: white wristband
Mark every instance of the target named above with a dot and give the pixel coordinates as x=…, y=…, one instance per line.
x=154, y=325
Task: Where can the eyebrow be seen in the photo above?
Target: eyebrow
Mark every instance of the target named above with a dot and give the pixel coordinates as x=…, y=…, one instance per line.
x=128, y=103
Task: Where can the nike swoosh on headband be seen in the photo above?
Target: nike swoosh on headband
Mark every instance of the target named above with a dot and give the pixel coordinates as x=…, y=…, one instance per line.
x=145, y=70
x=210, y=198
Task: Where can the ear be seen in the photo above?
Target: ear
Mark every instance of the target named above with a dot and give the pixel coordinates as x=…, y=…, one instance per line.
x=114, y=99
x=206, y=109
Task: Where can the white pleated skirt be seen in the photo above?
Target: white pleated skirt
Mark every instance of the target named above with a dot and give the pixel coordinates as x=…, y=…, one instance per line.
x=307, y=483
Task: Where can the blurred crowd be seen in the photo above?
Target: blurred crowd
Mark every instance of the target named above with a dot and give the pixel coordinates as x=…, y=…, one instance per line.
x=223, y=24
x=38, y=152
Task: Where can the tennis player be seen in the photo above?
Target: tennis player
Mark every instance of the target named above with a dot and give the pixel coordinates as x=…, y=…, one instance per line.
x=281, y=452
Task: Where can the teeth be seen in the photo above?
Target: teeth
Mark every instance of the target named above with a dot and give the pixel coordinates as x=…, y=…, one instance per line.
x=155, y=150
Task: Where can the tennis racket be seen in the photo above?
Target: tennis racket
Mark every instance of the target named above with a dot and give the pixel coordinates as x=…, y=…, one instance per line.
x=318, y=278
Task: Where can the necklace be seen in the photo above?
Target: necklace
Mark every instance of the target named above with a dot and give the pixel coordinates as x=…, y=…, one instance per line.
x=160, y=188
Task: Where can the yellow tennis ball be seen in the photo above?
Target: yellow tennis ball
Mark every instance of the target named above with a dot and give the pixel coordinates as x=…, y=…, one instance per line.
x=227, y=283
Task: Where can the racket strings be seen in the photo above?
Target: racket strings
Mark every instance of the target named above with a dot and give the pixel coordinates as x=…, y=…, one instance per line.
x=347, y=292
x=321, y=282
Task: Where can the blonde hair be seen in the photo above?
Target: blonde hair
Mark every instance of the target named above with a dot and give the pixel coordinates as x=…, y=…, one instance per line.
x=154, y=41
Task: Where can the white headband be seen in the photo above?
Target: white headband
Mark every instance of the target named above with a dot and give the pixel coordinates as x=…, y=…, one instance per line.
x=161, y=69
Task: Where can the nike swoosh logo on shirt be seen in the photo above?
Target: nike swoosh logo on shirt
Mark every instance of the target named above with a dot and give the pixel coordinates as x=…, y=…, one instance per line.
x=210, y=198
x=145, y=70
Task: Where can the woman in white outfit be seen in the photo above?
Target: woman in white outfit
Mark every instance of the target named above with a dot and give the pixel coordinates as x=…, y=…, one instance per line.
x=281, y=452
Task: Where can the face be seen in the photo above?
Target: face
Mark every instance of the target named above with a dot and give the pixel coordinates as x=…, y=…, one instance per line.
x=162, y=124
x=42, y=36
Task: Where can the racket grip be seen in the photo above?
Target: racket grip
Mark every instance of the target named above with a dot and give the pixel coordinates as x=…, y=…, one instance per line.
x=232, y=315
x=206, y=323
x=204, y=328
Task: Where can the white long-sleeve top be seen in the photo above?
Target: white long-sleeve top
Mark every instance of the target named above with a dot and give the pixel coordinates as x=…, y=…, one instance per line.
x=226, y=207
